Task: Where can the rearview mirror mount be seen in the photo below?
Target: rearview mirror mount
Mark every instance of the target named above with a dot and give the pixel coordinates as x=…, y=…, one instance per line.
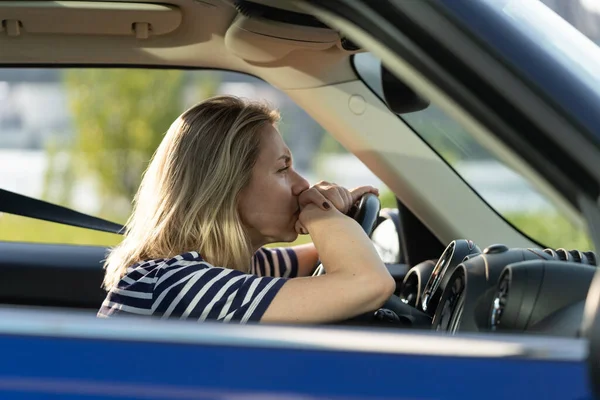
x=399, y=97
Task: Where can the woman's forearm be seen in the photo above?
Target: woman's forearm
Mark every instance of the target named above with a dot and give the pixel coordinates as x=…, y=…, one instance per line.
x=343, y=246
x=356, y=281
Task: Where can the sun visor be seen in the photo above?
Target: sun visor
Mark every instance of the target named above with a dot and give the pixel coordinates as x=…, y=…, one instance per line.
x=142, y=20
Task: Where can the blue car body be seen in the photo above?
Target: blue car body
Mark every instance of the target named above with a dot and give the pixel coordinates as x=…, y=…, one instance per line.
x=70, y=356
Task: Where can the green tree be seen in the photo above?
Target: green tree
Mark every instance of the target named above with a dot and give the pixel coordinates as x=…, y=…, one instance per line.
x=330, y=145
x=119, y=118
x=387, y=199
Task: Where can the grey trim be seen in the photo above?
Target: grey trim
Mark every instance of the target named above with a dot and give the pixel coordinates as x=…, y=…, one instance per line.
x=84, y=388
x=82, y=325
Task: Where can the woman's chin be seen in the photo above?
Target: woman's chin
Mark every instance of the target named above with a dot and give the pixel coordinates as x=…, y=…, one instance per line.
x=290, y=237
x=282, y=238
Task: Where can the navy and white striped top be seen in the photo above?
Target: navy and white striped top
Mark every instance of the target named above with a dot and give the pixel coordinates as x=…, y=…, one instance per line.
x=187, y=287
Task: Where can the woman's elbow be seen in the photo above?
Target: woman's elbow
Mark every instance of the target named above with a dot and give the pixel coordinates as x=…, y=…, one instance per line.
x=388, y=287
x=381, y=288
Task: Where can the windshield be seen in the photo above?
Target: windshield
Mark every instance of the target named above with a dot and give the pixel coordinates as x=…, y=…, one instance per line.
x=503, y=188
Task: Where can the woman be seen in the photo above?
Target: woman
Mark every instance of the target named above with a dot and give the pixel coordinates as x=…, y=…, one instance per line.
x=220, y=186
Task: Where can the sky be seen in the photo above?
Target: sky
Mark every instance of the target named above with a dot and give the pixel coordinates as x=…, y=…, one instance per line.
x=591, y=5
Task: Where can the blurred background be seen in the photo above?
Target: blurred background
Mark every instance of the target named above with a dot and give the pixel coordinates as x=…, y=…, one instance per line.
x=82, y=138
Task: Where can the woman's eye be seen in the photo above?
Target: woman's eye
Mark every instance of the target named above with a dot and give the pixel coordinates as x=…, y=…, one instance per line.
x=283, y=169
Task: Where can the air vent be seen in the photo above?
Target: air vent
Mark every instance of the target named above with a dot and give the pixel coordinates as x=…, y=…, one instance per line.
x=551, y=253
x=410, y=290
x=564, y=255
x=576, y=256
x=499, y=301
x=525, y=297
x=591, y=256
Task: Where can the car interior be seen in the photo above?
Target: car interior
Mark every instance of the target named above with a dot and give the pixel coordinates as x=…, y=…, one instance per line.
x=456, y=257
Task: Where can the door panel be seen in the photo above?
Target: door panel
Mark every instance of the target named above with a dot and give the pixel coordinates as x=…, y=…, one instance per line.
x=70, y=368
x=51, y=275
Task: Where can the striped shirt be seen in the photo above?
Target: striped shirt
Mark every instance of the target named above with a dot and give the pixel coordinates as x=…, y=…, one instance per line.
x=187, y=287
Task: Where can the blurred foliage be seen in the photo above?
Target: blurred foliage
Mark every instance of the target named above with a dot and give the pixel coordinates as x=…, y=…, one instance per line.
x=388, y=199
x=329, y=145
x=20, y=229
x=120, y=116
x=552, y=230
x=301, y=239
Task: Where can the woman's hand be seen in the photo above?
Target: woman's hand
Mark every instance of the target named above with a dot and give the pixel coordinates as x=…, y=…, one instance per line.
x=325, y=195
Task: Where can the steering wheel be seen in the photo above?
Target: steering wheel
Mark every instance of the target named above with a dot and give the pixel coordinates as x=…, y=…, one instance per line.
x=366, y=214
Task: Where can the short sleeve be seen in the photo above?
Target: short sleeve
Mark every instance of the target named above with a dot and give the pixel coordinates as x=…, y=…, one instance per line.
x=200, y=291
x=277, y=262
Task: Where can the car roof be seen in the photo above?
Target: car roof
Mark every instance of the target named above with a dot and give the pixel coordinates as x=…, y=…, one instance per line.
x=183, y=33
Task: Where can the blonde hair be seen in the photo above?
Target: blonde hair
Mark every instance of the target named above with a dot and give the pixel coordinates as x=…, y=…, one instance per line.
x=188, y=197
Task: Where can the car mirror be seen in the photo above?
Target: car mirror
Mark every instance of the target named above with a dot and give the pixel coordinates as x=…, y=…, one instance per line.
x=399, y=97
x=386, y=236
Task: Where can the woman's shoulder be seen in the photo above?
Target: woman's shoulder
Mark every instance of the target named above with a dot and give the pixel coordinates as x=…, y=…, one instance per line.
x=154, y=265
x=186, y=262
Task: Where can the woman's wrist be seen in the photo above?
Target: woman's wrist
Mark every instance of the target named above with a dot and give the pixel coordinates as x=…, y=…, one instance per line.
x=312, y=214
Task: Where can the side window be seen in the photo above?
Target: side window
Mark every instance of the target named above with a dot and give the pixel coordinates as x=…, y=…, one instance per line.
x=81, y=138
x=503, y=188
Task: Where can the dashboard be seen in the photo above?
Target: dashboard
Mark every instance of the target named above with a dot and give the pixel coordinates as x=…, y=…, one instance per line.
x=500, y=289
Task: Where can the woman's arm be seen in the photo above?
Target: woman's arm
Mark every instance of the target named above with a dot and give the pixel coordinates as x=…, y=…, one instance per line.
x=307, y=258
x=356, y=281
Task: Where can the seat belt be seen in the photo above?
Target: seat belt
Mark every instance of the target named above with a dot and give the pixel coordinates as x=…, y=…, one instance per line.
x=18, y=204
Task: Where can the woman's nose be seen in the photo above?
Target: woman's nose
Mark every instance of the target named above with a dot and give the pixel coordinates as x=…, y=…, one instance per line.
x=300, y=184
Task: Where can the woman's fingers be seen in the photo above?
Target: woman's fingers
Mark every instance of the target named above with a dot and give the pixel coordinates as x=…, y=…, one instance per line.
x=348, y=200
x=360, y=191
x=343, y=199
x=335, y=194
x=314, y=196
x=325, y=194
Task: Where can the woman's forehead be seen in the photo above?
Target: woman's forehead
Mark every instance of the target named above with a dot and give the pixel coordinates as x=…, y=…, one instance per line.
x=272, y=145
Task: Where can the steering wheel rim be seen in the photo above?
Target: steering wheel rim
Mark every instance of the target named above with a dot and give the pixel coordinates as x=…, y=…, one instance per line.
x=366, y=214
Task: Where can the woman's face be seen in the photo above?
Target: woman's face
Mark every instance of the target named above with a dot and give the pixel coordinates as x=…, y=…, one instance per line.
x=268, y=206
